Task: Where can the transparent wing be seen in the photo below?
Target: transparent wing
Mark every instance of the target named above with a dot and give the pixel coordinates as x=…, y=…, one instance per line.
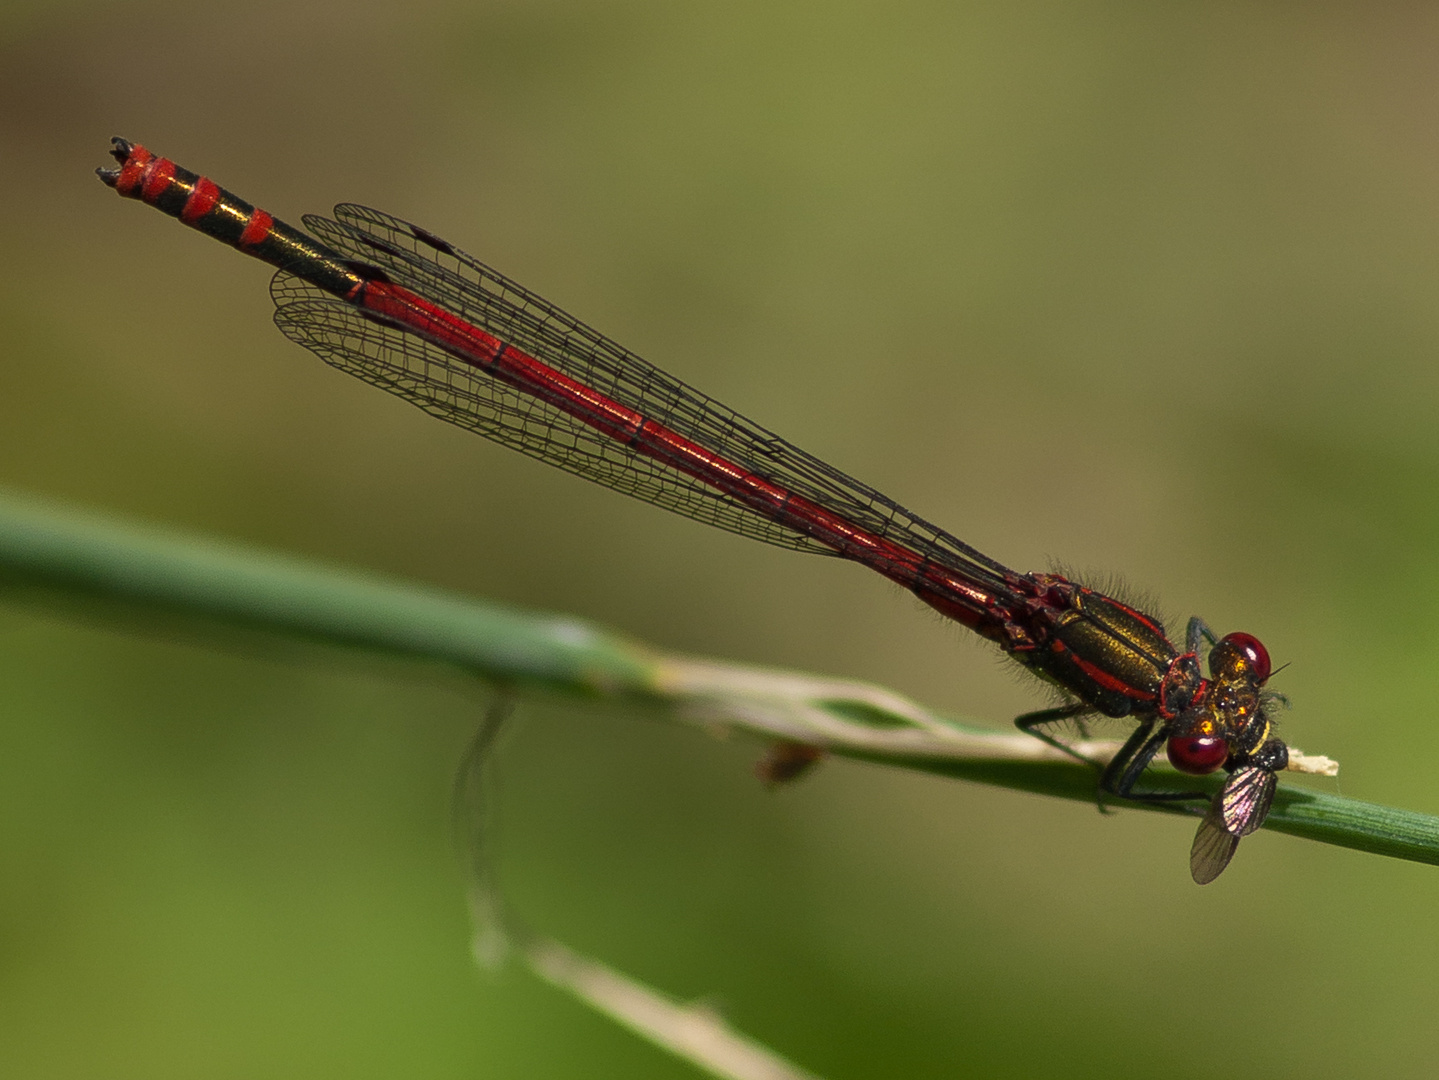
x=1212, y=849
x=446, y=387
x=443, y=386
x=1238, y=810
x=1245, y=799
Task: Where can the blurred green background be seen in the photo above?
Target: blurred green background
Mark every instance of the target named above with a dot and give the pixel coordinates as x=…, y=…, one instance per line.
x=1139, y=289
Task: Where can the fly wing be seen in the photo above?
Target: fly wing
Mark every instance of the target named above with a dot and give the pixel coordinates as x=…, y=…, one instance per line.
x=1213, y=847
x=1245, y=799
x=420, y=261
x=1238, y=810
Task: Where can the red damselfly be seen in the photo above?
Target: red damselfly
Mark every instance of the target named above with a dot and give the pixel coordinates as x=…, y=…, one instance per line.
x=400, y=308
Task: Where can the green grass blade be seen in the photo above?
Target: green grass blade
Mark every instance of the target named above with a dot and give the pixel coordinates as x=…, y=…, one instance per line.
x=63, y=557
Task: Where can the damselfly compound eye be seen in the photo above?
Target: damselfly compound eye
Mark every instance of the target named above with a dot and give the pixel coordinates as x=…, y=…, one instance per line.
x=1197, y=755
x=1240, y=651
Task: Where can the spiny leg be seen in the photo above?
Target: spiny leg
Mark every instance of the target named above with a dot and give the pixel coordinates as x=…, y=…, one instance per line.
x=1197, y=634
x=1126, y=767
x=1031, y=722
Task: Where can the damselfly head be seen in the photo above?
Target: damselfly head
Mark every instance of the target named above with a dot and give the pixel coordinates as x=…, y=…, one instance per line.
x=1234, y=706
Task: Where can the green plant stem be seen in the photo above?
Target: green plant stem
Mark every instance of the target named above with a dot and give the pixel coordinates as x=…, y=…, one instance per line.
x=64, y=557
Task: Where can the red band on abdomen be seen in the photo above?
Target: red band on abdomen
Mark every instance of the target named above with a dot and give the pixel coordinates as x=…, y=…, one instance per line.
x=133, y=170
x=256, y=229
x=157, y=179
x=201, y=201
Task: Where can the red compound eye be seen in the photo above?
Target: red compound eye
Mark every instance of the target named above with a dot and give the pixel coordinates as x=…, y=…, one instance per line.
x=1256, y=656
x=1197, y=755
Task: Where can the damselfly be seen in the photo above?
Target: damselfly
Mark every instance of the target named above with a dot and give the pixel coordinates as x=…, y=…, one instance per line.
x=400, y=308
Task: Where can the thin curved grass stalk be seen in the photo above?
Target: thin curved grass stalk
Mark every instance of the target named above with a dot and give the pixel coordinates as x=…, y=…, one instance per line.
x=696, y=1033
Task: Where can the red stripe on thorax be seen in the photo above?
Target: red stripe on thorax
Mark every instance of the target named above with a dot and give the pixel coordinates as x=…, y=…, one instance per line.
x=1138, y=616
x=1102, y=677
